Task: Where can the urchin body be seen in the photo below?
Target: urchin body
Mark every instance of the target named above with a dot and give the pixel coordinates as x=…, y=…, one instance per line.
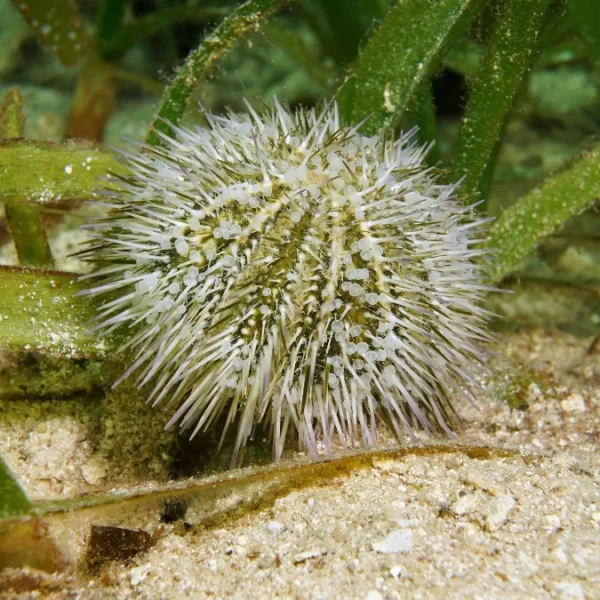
x=282, y=268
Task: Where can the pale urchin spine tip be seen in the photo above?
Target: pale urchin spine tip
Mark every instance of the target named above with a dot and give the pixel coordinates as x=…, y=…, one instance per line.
x=283, y=268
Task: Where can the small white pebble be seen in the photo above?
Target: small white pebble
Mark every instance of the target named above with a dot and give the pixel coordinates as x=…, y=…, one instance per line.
x=396, y=571
x=138, y=574
x=569, y=591
x=399, y=540
x=498, y=511
x=275, y=527
x=574, y=403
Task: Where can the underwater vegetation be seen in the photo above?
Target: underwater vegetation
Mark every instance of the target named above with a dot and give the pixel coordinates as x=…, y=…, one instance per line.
x=308, y=266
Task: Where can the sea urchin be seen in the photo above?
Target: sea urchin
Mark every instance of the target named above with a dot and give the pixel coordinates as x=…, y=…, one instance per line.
x=284, y=268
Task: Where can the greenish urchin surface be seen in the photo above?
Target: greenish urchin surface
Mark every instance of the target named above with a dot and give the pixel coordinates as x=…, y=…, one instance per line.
x=283, y=268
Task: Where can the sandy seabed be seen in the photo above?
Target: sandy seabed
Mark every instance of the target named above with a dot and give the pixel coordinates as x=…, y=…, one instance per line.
x=519, y=524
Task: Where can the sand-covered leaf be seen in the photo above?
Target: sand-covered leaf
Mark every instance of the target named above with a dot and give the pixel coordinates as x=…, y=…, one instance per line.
x=53, y=175
x=38, y=313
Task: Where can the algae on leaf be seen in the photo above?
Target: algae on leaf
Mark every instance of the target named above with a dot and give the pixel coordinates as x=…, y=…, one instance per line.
x=405, y=51
x=25, y=222
x=543, y=211
x=502, y=70
x=199, y=63
x=53, y=175
x=38, y=312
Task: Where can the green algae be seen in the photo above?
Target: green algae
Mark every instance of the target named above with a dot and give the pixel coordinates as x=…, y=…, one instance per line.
x=36, y=375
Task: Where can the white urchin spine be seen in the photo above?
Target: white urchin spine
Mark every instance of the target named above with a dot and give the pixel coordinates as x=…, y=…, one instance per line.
x=283, y=268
